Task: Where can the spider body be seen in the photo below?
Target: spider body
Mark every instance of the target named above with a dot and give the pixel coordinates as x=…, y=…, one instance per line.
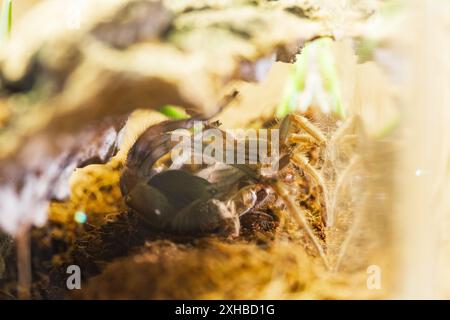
x=231, y=195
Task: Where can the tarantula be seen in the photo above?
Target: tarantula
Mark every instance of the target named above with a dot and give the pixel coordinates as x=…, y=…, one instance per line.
x=200, y=198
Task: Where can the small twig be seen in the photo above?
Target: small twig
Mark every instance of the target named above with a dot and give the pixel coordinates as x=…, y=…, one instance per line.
x=23, y=264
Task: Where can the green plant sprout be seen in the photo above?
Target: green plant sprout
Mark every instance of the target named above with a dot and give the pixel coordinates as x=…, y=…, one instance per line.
x=5, y=20
x=313, y=78
x=173, y=112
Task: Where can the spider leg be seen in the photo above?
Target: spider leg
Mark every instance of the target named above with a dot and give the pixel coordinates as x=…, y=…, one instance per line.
x=305, y=166
x=348, y=139
x=311, y=129
x=346, y=134
x=301, y=138
x=347, y=128
x=308, y=169
x=354, y=226
x=300, y=218
x=337, y=189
